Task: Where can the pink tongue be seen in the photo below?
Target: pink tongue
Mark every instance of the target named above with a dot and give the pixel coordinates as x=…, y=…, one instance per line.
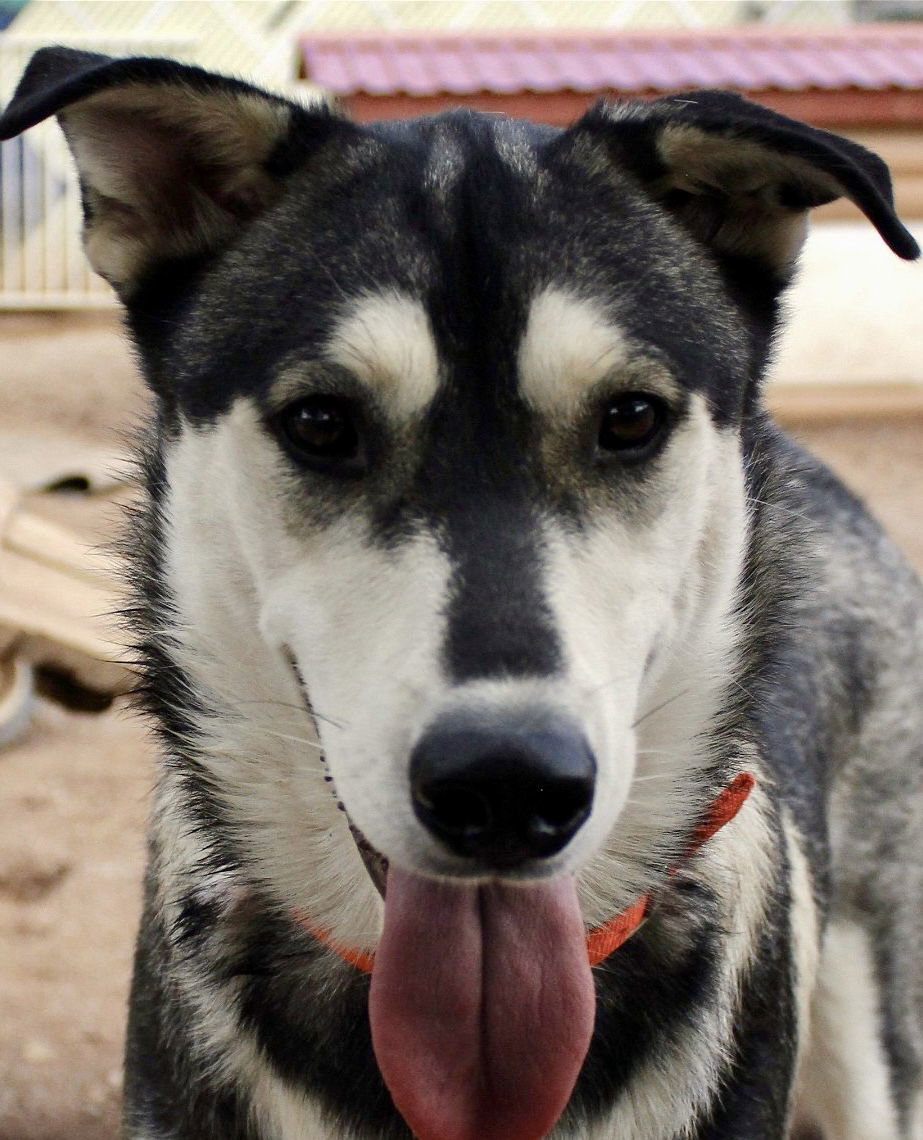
x=482, y=1006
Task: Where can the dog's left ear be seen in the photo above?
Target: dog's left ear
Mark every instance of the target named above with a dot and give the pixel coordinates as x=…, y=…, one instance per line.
x=173, y=161
x=740, y=177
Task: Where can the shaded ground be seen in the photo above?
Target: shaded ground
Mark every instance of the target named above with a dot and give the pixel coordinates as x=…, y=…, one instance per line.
x=72, y=793
x=73, y=789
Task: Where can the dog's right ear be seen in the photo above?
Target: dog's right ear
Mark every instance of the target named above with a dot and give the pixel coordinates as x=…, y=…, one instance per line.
x=173, y=160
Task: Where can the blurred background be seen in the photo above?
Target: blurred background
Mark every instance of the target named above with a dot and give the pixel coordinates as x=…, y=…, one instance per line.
x=75, y=766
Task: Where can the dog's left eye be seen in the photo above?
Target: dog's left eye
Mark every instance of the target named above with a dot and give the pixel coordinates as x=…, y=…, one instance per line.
x=322, y=430
x=631, y=423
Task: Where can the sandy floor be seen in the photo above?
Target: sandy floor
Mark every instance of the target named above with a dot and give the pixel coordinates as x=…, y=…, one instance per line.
x=73, y=788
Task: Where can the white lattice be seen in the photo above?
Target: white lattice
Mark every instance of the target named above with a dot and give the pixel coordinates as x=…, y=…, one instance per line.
x=41, y=259
x=41, y=262
x=257, y=36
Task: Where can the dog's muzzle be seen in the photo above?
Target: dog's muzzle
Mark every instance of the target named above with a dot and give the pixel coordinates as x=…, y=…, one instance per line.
x=505, y=793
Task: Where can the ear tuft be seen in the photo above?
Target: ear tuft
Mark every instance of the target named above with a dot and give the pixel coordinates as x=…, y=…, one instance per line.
x=740, y=177
x=173, y=160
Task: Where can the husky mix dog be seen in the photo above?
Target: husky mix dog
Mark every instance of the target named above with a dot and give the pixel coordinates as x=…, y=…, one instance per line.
x=541, y=729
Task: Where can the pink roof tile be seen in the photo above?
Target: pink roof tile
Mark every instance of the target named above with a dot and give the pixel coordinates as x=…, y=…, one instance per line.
x=870, y=57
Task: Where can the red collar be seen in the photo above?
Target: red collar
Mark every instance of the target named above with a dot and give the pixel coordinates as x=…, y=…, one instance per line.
x=606, y=939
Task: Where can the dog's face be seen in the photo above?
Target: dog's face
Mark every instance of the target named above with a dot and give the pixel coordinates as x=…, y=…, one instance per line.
x=476, y=466
x=453, y=499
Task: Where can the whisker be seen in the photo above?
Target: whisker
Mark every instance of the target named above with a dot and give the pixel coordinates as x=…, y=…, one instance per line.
x=598, y=688
x=743, y=688
x=267, y=701
x=780, y=508
x=294, y=739
x=327, y=719
x=664, y=704
x=306, y=709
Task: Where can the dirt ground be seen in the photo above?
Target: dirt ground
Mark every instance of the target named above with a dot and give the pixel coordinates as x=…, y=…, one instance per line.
x=73, y=788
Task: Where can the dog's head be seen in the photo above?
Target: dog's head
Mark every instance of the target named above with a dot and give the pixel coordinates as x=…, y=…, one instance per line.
x=452, y=415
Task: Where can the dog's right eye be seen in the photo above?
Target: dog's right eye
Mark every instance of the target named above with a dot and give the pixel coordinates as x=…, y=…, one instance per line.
x=321, y=431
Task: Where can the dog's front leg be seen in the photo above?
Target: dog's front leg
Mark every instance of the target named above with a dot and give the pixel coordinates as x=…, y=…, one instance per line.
x=756, y=1098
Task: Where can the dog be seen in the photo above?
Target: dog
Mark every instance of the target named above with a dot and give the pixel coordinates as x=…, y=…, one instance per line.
x=541, y=728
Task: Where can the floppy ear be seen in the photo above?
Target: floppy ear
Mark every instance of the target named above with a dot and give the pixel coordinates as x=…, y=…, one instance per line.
x=740, y=177
x=173, y=160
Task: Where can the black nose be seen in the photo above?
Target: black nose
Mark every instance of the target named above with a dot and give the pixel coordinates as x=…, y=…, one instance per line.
x=502, y=794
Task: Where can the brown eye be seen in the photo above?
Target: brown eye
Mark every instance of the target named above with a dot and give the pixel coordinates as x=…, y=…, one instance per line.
x=631, y=423
x=321, y=428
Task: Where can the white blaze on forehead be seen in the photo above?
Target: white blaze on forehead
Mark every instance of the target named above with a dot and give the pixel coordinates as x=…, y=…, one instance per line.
x=570, y=344
x=386, y=339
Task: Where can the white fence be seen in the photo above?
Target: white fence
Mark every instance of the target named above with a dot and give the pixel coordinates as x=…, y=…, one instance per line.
x=42, y=265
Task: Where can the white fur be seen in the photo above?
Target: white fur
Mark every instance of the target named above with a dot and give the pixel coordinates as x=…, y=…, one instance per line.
x=844, y=1081
x=385, y=339
x=282, y=1112
x=804, y=930
x=570, y=344
x=228, y=551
